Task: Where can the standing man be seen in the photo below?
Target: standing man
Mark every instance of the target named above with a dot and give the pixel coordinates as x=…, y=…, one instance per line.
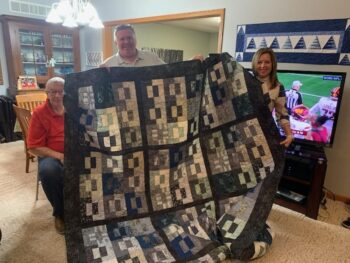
x=128, y=55
x=46, y=140
x=293, y=96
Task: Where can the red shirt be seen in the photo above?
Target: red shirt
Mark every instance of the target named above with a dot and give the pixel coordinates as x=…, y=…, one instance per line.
x=46, y=129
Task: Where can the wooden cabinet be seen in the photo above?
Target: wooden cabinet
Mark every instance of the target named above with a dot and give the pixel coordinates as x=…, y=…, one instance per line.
x=301, y=185
x=36, y=48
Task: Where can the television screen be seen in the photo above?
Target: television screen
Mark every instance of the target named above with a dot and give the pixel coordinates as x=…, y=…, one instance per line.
x=313, y=102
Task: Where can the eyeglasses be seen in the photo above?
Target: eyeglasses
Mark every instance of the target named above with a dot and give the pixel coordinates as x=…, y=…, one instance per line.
x=54, y=92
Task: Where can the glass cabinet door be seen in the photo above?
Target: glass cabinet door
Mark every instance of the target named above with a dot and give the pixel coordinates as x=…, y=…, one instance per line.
x=62, y=53
x=33, y=54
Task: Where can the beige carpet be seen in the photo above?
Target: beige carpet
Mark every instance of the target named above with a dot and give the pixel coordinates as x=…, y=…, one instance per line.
x=29, y=235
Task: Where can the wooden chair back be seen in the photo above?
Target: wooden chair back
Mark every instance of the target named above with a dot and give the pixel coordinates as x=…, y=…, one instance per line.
x=30, y=101
x=23, y=117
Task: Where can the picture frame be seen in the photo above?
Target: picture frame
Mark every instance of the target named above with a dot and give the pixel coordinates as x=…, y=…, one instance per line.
x=27, y=82
x=94, y=58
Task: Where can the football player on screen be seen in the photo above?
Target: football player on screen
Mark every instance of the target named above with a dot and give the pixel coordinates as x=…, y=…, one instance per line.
x=318, y=132
x=327, y=106
x=293, y=96
x=299, y=121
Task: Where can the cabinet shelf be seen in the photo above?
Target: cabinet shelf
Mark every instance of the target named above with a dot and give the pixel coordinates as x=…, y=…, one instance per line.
x=32, y=45
x=297, y=180
x=301, y=208
x=56, y=47
x=64, y=63
x=33, y=62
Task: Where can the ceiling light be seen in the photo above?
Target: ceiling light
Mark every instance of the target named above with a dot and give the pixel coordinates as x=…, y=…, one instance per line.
x=73, y=13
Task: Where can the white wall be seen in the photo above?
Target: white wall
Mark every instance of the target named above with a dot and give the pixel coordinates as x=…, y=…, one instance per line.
x=159, y=35
x=257, y=11
x=213, y=45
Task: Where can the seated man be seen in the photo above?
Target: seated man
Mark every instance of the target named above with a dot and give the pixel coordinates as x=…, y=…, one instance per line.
x=46, y=140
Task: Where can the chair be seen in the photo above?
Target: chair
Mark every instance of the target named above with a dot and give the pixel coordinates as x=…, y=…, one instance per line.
x=24, y=116
x=31, y=101
x=27, y=102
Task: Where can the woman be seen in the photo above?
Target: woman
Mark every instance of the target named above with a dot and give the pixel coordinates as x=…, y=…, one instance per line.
x=264, y=66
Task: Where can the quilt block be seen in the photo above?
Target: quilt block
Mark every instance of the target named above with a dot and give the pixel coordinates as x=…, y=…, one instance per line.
x=169, y=163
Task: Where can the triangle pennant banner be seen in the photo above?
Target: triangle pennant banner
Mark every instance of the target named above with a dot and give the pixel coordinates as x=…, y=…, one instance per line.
x=300, y=44
x=315, y=44
x=330, y=44
x=251, y=44
x=287, y=44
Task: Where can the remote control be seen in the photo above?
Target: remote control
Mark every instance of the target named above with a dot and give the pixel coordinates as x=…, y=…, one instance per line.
x=291, y=195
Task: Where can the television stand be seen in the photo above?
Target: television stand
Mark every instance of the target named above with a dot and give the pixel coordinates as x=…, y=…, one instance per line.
x=300, y=188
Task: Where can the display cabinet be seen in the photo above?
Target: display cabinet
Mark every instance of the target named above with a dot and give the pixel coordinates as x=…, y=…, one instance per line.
x=36, y=48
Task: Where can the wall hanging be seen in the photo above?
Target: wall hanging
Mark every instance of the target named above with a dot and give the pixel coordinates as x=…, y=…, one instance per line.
x=325, y=42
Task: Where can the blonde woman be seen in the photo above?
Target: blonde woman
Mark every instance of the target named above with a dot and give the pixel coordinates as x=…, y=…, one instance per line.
x=264, y=65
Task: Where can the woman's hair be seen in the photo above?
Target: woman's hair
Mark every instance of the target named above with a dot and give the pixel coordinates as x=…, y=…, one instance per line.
x=273, y=75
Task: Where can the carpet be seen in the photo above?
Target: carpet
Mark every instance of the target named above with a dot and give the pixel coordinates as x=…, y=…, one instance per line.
x=176, y=162
x=29, y=235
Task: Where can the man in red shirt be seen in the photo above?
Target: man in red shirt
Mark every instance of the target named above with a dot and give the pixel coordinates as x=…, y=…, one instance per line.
x=46, y=140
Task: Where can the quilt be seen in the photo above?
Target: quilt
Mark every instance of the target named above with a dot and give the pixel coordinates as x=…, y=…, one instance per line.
x=168, y=163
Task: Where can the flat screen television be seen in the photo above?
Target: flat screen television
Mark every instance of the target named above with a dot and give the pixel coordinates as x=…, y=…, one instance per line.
x=314, y=111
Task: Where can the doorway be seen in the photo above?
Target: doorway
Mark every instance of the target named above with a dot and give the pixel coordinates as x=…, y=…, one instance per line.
x=206, y=27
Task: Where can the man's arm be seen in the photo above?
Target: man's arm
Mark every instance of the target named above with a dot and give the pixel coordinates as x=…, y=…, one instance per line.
x=46, y=152
x=300, y=99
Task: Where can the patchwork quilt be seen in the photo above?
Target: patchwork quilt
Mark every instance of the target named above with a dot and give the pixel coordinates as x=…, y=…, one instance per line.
x=168, y=163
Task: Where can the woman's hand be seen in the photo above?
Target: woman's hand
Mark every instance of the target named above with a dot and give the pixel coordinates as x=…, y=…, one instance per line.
x=287, y=141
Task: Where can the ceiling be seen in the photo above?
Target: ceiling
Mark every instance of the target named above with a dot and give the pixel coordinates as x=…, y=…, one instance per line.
x=208, y=24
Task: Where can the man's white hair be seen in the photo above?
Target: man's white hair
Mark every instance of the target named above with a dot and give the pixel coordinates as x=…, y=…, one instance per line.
x=54, y=80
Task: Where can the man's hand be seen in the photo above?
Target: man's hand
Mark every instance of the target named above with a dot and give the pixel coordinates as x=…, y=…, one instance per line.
x=106, y=67
x=61, y=157
x=198, y=56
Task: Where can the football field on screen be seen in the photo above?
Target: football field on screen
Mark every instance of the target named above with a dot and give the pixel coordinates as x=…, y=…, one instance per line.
x=313, y=88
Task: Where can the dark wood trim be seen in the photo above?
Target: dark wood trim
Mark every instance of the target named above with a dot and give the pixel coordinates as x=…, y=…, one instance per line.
x=315, y=196
x=22, y=19
x=301, y=208
x=109, y=26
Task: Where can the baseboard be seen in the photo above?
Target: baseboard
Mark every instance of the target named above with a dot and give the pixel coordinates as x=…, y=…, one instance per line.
x=337, y=197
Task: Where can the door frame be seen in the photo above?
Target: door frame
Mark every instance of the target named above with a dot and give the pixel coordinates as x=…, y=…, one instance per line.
x=107, y=34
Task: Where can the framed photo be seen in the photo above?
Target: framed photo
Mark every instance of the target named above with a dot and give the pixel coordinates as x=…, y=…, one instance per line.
x=27, y=82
